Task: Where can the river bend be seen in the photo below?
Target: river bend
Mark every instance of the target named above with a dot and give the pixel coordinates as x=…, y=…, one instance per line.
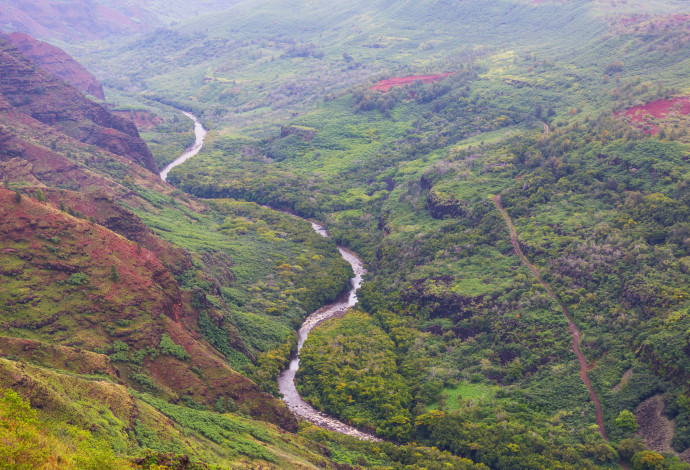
x=199, y=135
x=286, y=380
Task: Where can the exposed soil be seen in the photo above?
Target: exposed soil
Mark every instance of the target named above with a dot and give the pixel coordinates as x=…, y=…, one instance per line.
x=58, y=63
x=642, y=116
x=45, y=247
x=573, y=329
x=385, y=85
x=45, y=98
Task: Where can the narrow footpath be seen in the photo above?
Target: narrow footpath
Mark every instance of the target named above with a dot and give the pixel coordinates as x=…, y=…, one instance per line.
x=573, y=329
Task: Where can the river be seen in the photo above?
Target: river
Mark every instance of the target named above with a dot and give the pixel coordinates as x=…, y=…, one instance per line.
x=200, y=134
x=286, y=380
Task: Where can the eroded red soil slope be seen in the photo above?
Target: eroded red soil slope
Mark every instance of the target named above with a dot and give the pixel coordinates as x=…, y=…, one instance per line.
x=642, y=116
x=40, y=95
x=144, y=120
x=385, y=85
x=71, y=282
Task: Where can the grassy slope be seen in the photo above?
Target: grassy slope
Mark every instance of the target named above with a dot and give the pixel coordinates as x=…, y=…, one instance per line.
x=131, y=422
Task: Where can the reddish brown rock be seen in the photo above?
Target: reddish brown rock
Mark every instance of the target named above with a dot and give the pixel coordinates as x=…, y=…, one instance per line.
x=58, y=63
x=36, y=93
x=144, y=120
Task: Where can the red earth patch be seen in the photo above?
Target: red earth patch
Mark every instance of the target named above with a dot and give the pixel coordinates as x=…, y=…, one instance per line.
x=385, y=85
x=661, y=109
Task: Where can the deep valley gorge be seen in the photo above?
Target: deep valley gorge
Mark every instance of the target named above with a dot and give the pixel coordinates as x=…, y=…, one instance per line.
x=395, y=235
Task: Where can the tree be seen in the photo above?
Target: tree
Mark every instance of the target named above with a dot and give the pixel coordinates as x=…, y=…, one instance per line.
x=114, y=276
x=538, y=111
x=17, y=197
x=626, y=421
x=648, y=460
x=629, y=447
x=39, y=196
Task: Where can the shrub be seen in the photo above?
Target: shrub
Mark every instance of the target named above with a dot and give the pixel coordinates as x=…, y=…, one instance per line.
x=78, y=279
x=21, y=437
x=167, y=346
x=626, y=421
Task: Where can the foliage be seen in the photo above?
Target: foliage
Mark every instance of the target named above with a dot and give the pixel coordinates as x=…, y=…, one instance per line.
x=347, y=367
x=235, y=435
x=28, y=443
x=626, y=421
x=648, y=460
x=78, y=279
x=461, y=349
x=167, y=346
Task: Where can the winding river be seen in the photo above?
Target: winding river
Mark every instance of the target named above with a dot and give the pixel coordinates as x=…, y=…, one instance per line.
x=200, y=134
x=286, y=380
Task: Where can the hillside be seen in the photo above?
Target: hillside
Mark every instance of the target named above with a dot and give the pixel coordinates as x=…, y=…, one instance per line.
x=57, y=63
x=513, y=174
x=78, y=20
x=142, y=328
x=45, y=98
x=95, y=304
x=406, y=176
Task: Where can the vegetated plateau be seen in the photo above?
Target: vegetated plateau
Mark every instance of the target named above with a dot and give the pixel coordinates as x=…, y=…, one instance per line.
x=514, y=174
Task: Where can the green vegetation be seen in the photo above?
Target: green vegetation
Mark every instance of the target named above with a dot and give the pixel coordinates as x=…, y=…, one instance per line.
x=456, y=354
x=257, y=275
x=405, y=179
x=28, y=443
x=348, y=368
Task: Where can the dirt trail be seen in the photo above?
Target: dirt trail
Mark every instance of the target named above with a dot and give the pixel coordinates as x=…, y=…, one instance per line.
x=573, y=329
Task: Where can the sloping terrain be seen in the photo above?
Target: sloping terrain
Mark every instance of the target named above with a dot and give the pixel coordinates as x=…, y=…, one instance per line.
x=405, y=178
x=461, y=342
x=45, y=98
x=58, y=63
x=90, y=298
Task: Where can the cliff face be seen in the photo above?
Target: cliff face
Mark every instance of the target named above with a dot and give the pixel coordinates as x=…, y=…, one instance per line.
x=36, y=93
x=78, y=268
x=58, y=63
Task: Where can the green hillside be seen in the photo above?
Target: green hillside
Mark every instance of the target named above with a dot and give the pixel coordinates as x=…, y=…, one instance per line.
x=521, y=208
